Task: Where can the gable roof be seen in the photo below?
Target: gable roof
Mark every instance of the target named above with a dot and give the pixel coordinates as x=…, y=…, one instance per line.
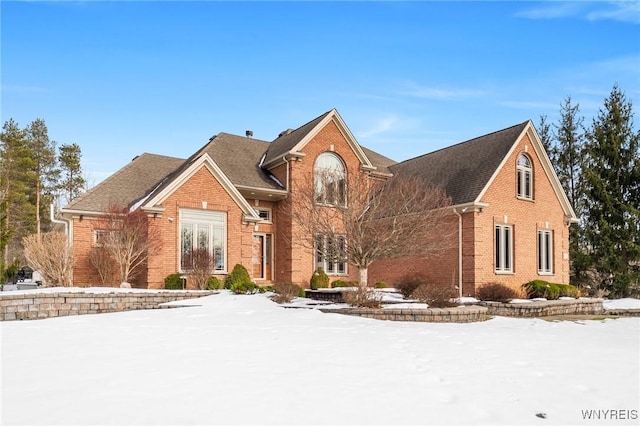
x=130, y=183
x=464, y=170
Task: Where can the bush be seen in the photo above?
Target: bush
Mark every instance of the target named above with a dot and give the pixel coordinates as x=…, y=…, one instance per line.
x=362, y=297
x=239, y=278
x=173, y=282
x=380, y=284
x=496, y=292
x=214, y=283
x=547, y=290
x=244, y=287
x=265, y=288
x=319, y=279
x=436, y=296
x=285, y=292
x=343, y=283
x=408, y=283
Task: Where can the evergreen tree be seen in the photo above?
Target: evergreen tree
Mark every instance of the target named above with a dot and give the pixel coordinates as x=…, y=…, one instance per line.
x=71, y=182
x=43, y=171
x=568, y=164
x=612, y=208
x=546, y=137
x=16, y=209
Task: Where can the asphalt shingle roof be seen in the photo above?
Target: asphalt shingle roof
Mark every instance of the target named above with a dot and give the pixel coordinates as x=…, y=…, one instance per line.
x=129, y=184
x=285, y=143
x=463, y=170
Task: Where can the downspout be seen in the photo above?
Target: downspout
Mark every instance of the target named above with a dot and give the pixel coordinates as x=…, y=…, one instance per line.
x=459, y=250
x=64, y=222
x=287, y=177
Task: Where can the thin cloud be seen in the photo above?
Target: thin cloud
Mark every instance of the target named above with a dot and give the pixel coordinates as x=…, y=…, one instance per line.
x=438, y=93
x=625, y=11
x=381, y=125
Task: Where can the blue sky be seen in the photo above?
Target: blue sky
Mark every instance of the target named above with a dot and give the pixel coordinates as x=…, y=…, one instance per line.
x=123, y=78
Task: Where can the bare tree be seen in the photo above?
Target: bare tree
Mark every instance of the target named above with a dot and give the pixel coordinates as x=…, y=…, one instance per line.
x=369, y=219
x=101, y=259
x=128, y=238
x=200, y=267
x=51, y=255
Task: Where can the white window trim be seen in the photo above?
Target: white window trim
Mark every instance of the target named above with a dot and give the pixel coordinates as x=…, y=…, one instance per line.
x=324, y=264
x=545, y=252
x=321, y=196
x=204, y=213
x=521, y=174
x=269, y=214
x=499, y=245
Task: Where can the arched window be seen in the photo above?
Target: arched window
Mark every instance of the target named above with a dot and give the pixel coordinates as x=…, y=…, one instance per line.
x=525, y=177
x=330, y=180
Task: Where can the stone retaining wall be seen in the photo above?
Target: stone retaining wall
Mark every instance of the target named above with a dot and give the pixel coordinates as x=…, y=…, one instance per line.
x=46, y=305
x=458, y=314
x=546, y=308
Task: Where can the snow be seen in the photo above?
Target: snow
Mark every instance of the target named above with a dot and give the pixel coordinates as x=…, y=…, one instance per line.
x=627, y=303
x=229, y=359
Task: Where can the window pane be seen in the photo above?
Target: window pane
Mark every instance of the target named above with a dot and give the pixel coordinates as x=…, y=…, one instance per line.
x=497, y=249
x=527, y=184
x=186, y=246
x=218, y=248
x=507, y=248
x=540, y=251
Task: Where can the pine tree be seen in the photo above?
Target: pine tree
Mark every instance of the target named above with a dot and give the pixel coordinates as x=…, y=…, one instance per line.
x=568, y=164
x=612, y=209
x=16, y=209
x=546, y=137
x=43, y=171
x=71, y=182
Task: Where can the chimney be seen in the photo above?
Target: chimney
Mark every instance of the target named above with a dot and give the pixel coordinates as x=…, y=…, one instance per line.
x=249, y=133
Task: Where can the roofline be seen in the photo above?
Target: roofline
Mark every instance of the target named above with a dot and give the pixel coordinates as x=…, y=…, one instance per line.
x=273, y=194
x=342, y=127
x=536, y=143
x=206, y=161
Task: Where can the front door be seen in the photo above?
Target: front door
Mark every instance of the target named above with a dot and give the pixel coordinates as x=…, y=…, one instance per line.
x=261, y=256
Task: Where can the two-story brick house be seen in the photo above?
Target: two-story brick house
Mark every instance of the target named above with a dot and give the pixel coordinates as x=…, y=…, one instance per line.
x=510, y=214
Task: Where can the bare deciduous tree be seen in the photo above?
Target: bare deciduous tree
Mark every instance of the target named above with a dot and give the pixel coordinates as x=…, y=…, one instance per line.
x=128, y=238
x=402, y=216
x=51, y=256
x=200, y=267
x=101, y=259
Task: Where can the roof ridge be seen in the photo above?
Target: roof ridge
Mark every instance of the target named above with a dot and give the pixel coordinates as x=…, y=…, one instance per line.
x=324, y=114
x=463, y=142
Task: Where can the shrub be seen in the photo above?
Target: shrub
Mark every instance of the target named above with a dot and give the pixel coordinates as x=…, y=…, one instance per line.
x=239, y=278
x=496, y=292
x=343, y=283
x=285, y=292
x=244, y=287
x=173, y=282
x=380, y=284
x=214, y=283
x=265, y=288
x=436, y=296
x=408, y=283
x=52, y=256
x=550, y=291
x=302, y=292
x=319, y=279
x=362, y=297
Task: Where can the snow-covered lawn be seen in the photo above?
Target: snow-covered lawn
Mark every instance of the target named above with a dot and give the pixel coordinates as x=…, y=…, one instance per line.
x=245, y=360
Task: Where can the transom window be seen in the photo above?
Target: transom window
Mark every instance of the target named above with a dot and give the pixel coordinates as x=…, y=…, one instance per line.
x=545, y=252
x=525, y=177
x=203, y=230
x=504, y=248
x=331, y=254
x=330, y=180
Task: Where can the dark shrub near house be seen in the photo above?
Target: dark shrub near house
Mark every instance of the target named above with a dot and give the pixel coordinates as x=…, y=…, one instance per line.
x=319, y=279
x=173, y=282
x=496, y=292
x=408, y=283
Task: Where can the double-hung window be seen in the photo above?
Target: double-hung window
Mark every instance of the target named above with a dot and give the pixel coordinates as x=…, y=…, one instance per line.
x=545, y=252
x=503, y=248
x=525, y=177
x=203, y=230
x=331, y=254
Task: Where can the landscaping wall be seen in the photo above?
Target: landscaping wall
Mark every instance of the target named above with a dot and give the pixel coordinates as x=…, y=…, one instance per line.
x=546, y=308
x=458, y=314
x=46, y=305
